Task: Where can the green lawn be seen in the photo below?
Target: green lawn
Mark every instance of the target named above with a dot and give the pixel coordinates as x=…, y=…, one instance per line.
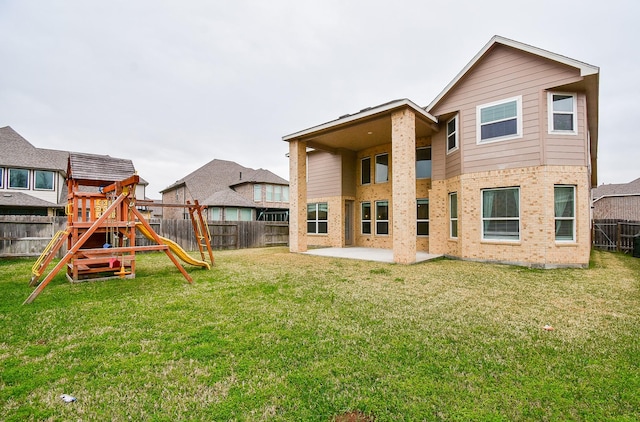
x=269, y=335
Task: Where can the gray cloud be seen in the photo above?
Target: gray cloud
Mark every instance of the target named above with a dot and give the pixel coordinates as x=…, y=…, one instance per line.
x=173, y=85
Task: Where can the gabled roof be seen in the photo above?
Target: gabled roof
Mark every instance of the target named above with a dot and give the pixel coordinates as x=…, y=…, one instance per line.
x=94, y=169
x=211, y=182
x=18, y=152
x=621, y=189
x=585, y=69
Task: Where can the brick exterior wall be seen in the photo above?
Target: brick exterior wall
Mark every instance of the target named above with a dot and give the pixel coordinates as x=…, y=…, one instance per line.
x=537, y=246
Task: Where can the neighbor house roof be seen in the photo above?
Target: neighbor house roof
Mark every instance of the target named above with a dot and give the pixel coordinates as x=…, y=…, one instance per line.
x=621, y=189
x=19, y=199
x=229, y=198
x=211, y=184
x=18, y=152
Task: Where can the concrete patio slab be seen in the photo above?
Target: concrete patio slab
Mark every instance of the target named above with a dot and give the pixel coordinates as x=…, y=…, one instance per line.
x=366, y=254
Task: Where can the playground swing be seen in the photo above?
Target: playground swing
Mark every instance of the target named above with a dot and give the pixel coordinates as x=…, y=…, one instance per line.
x=109, y=215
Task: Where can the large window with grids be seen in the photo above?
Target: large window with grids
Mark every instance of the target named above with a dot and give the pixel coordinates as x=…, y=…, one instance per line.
x=501, y=214
x=317, y=216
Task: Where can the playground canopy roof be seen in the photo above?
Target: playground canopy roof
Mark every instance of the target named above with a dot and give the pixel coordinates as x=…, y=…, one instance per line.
x=95, y=170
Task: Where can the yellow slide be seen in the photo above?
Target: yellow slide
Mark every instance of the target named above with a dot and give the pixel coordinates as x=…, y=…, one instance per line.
x=175, y=248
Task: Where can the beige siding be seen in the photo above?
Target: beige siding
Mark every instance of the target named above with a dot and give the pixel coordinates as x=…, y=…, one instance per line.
x=323, y=174
x=349, y=170
x=502, y=74
x=571, y=150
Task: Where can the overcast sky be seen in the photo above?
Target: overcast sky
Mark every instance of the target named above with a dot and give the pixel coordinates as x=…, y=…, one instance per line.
x=175, y=84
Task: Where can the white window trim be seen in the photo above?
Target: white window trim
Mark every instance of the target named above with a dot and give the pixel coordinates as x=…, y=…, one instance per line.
x=573, y=219
x=53, y=180
x=456, y=131
x=451, y=218
x=482, y=218
x=550, y=112
x=375, y=167
x=383, y=221
x=517, y=135
x=28, y=187
x=362, y=219
x=318, y=220
x=362, y=174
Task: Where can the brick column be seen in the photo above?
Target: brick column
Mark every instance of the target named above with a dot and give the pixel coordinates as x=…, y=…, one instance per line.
x=297, y=196
x=403, y=171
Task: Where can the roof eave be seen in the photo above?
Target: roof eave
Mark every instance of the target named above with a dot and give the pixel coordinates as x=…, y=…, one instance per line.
x=366, y=113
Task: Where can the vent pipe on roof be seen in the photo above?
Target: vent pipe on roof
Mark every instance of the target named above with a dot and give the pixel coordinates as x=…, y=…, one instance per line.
x=240, y=175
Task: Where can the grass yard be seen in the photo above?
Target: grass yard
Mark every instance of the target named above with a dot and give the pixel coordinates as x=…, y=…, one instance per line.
x=269, y=335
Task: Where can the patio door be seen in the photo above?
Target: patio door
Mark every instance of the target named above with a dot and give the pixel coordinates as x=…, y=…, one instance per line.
x=348, y=223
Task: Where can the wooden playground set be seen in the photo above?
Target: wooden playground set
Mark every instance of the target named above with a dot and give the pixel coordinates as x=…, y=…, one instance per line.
x=101, y=235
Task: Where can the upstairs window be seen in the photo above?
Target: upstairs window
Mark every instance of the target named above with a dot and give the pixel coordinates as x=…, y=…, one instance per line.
x=1, y=177
x=43, y=180
x=452, y=134
x=269, y=193
x=423, y=163
x=18, y=179
x=365, y=171
x=382, y=168
x=562, y=113
x=285, y=194
x=500, y=120
x=317, y=215
x=257, y=193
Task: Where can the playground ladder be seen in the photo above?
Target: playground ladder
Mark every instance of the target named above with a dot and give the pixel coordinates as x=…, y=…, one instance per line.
x=201, y=230
x=47, y=255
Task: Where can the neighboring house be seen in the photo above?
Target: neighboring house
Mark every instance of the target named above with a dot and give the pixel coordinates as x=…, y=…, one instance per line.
x=617, y=201
x=33, y=180
x=497, y=168
x=230, y=192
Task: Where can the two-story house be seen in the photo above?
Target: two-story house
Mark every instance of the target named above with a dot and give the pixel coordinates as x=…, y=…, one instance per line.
x=33, y=180
x=230, y=192
x=497, y=168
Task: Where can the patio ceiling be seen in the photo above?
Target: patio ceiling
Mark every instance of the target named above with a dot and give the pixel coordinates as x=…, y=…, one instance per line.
x=368, y=128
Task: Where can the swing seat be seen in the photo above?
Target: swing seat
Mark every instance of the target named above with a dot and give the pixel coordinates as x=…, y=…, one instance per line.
x=123, y=272
x=114, y=263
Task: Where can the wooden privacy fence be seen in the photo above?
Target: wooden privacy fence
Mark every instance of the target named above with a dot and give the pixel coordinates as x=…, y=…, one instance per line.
x=29, y=235
x=615, y=235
